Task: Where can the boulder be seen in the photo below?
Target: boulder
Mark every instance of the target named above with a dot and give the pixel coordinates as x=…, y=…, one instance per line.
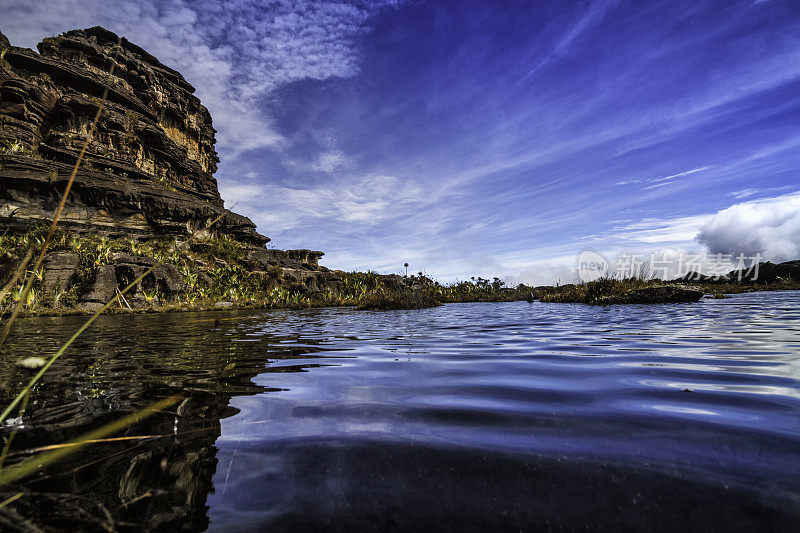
x=102, y=286
x=59, y=270
x=309, y=258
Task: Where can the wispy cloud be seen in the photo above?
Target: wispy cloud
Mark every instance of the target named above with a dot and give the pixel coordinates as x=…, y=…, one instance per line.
x=591, y=17
x=747, y=193
x=329, y=161
x=659, y=231
x=236, y=53
x=659, y=181
x=365, y=201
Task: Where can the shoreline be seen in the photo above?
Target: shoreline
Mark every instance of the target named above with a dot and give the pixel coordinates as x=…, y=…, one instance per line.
x=83, y=273
x=166, y=309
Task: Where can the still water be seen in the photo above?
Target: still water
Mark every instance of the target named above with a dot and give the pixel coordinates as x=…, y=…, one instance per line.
x=502, y=416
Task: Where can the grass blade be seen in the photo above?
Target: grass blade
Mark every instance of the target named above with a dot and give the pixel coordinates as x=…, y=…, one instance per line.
x=12, y=499
x=88, y=323
x=62, y=203
x=27, y=467
x=17, y=274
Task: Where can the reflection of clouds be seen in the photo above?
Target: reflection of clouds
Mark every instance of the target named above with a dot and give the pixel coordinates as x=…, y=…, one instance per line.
x=685, y=410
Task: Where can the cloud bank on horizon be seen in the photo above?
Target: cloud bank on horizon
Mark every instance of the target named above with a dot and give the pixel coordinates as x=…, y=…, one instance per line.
x=474, y=138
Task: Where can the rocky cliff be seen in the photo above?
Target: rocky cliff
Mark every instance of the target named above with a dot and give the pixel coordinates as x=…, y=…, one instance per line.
x=149, y=168
x=147, y=178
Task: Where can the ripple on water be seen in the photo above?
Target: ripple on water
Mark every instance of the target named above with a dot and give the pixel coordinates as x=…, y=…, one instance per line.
x=482, y=412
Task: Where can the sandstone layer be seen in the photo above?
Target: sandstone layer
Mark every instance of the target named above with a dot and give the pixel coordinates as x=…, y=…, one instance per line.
x=149, y=167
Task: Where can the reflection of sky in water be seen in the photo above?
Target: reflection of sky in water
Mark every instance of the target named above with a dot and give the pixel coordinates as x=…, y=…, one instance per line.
x=708, y=390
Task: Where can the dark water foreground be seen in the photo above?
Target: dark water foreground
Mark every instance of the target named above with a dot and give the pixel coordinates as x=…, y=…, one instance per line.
x=501, y=416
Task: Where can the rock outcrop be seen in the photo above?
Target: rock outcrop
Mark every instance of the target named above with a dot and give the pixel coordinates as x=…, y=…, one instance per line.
x=147, y=174
x=149, y=167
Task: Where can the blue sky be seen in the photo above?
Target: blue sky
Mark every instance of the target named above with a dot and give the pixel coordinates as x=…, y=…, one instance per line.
x=487, y=138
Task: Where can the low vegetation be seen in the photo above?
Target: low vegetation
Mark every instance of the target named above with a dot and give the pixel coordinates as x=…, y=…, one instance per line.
x=400, y=300
x=614, y=290
x=214, y=269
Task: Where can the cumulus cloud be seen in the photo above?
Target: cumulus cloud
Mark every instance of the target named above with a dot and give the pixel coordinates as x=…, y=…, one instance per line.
x=235, y=52
x=769, y=226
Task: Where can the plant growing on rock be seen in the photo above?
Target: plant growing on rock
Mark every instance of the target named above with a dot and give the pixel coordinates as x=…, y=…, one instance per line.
x=102, y=251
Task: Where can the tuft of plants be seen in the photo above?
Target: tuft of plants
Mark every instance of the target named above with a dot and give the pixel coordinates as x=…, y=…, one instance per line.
x=400, y=300
x=594, y=292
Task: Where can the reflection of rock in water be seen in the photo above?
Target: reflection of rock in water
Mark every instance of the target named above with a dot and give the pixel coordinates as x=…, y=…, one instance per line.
x=160, y=482
x=124, y=365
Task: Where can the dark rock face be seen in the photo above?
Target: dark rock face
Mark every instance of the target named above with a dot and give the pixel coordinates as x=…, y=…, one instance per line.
x=766, y=272
x=149, y=168
x=59, y=270
x=164, y=280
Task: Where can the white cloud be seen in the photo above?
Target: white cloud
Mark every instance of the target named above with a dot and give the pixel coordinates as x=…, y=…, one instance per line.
x=235, y=53
x=658, y=231
x=660, y=181
x=366, y=201
x=545, y=273
x=329, y=161
x=769, y=226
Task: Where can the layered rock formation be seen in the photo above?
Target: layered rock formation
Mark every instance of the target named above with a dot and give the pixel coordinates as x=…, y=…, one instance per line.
x=149, y=167
x=148, y=170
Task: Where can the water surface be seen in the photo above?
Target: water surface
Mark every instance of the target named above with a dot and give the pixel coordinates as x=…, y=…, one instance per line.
x=468, y=416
